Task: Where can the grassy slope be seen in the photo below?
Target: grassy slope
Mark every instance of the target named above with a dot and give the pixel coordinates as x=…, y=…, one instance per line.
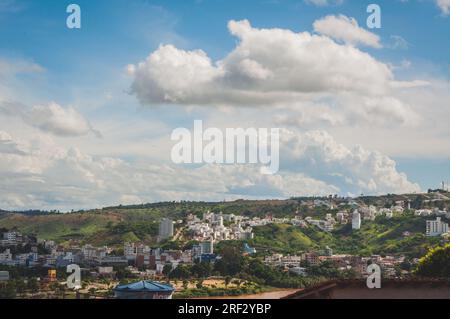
x=380, y=237
x=284, y=238
x=97, y=227
x=57, y=226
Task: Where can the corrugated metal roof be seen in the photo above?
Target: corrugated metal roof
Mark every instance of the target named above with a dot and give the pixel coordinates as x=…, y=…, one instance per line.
x=145, y=285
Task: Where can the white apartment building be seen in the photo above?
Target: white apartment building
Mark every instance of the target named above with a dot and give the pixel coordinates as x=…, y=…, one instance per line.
x=10, y=236
x=89, y=252
x=130, y=251
x=165, y=228
x=278, y=260
x=436, y=227
x=356, y=220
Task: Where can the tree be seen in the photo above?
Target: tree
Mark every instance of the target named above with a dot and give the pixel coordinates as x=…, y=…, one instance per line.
x=62, y=290
x=20, y=286
x=227, y=281
x=33, y=285
x=181, y=272
x=231, y=263
x=435, y=264
x=326, y=269
x=167, y=269
x=92, y=291
x=202, y=269
x=405, y=265
x=200, y=284
x=348, y=274
x=8, y=290
x=123, y=273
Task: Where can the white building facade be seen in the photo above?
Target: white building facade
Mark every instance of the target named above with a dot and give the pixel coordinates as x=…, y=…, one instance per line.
x=436, y=227
x=356, y=220
x=165, y=229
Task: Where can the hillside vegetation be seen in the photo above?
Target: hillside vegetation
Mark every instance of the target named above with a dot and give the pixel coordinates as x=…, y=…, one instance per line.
x=114, y=225
x=383, y=236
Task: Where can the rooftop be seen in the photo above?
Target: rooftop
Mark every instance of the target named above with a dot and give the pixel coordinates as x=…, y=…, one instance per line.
x=145, y=286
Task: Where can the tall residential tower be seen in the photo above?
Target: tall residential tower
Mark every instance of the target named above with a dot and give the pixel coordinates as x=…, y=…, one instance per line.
x=165, y=229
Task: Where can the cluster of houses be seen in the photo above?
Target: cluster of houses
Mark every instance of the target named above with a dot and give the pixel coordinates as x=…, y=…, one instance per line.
x=141, y=256
x=369, y=213
x=299, y=264
x=11, y=238
x=155, y=259
x=212, y=227
x=325, y=225
x=343, y=216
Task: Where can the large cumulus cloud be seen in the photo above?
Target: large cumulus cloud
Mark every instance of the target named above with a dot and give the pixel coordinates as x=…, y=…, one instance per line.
x=268, y=66
x=282, y=68
x=355, y=169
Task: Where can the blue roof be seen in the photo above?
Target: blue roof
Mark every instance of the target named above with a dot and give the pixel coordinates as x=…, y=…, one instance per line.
x=249, y=249
x=145, y=286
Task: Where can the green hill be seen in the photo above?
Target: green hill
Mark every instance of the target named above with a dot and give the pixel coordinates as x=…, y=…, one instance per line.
x=108, y=227
x=114, y=225
x=382, y=236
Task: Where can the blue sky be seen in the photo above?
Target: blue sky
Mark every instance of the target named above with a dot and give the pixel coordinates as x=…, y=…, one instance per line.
x=127, y=29
x=84, y=73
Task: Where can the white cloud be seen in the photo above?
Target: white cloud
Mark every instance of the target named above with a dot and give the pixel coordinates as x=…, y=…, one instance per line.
x=48, y=176
x=12, y=67
x=51, y=118
x=356, y=110
x=444, y=5
x=58, y=120
x=170, y=75
x=308, y=79
x=362, y=171
x=381, y=111
x=55, y=177
x=304, y=80
x=346, y=29
x=398, y=42
x=8, y=146
x=14, y=73
x=268, y=66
